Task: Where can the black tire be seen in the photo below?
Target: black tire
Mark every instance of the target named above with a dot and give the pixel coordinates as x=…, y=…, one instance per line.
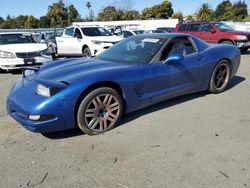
x=103, y=114
x=227, y=42
x=2, y=71
x=220, y=77
x=86, y=52
x=244, y=50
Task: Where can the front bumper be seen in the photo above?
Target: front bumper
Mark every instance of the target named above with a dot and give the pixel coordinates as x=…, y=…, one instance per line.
x=17, y=63
x=23, y=102
x=243, y=44
x=100, y=48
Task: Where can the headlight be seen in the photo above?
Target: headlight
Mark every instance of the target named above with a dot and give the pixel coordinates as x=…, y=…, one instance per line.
x=43, y=90
x=4, y=54
x=45, y=52
x=97, y=42
x=52, y=89
x=241, y=37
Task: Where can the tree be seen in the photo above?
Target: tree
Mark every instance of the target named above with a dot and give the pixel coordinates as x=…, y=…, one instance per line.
x=124, y=5
x=131, y=15
x=247, y=19
x=91, y=13
x=205, y=13
x=1, y=20
x=224, y=11
x=44, y=22
x=163, y=10
x=20, y=21
x=178, y=15
x=9, y=23
x=125, y=10
x=31, y=22
x=73, y=15
x=109, y=13
x=189, y=18
x=240, y=10
x=57, y=14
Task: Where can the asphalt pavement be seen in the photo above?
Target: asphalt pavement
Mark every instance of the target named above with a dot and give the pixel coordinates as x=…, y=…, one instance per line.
x=199, y=140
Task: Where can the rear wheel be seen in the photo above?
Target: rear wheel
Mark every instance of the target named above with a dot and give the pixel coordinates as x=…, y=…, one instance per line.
x=86, y=52
x=220, y=77
x=227, y=42
x=99, y=111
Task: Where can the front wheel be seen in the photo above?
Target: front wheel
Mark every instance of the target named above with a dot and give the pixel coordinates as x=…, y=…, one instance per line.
x=227, y=42
x=86, y=52
x=2, y=71
x=100, y=111
x=220, y=77
x=244, y=50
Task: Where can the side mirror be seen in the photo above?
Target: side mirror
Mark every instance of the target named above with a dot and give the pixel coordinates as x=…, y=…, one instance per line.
x=213, y=30
x=174, y=58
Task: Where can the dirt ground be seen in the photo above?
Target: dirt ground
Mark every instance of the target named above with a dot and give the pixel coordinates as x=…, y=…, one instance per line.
x=199, y=140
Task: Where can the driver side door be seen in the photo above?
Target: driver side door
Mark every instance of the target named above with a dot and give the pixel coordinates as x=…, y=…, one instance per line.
x=172, y=79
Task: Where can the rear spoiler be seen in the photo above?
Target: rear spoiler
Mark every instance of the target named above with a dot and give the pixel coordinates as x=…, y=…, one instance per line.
x=28, y=70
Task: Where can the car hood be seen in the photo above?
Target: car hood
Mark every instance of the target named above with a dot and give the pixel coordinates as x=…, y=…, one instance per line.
x=70, y=70
x=107, y=38
x=23, y=47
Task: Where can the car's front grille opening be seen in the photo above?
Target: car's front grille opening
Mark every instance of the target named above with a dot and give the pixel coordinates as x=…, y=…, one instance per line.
x=25, y=55
x=30, y=65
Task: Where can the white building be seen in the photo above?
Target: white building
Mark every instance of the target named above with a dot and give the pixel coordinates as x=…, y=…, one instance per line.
x=132, y=24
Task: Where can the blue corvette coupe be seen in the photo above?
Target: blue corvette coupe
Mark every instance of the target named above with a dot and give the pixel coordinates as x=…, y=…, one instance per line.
x=139, y=71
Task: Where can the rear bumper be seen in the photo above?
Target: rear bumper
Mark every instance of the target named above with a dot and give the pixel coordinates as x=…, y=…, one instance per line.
x=23, y=102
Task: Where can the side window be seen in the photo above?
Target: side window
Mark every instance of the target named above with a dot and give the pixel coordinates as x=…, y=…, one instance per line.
x=127, y=34
x=194, y=27
x=183, y=27
x=205, y=28
x=78, y=33
x=69, y=31
x=180, y=45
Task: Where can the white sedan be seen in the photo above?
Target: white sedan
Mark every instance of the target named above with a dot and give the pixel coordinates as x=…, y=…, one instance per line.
x=22, y=50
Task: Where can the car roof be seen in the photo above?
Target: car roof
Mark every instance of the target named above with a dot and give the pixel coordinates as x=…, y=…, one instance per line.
x=90, y=26
x=164, y=35
x=201, y=22
x=12, y=33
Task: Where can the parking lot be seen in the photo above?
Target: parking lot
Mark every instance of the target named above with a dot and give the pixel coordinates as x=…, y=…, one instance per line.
x=199, y=140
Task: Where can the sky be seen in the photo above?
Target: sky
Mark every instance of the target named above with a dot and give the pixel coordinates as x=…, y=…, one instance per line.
x=39, y=8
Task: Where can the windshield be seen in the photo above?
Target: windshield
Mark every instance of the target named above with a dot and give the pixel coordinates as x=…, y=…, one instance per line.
x=223, y=27
x=16, y=39
x=133, y=50
x=95, y=31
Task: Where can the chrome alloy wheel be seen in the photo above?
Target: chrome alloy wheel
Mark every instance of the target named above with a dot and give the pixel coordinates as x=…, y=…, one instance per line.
x=102, y=112
x=222, y=75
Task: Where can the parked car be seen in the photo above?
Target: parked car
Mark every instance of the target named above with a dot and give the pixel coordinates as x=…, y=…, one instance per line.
x=22, y=50
x=216, y=32
x=128, y=33
x=84, y=41
x=50, y=39
x=155, y=31
x=166, y=29
x=94, y=93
